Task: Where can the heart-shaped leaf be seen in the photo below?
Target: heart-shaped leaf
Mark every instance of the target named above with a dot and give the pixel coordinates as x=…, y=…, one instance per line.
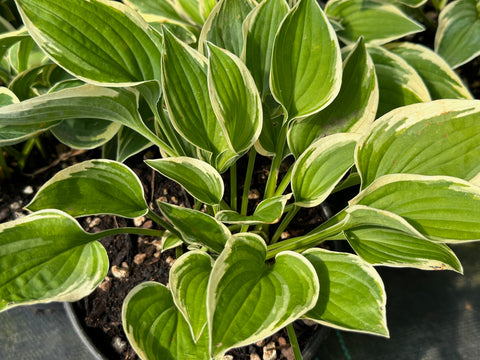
x=46, y=256
x=306, y=63
x=196, y=227
x=352, y=294
x=200, y=179
x=352, y=110
x=435, y=138
x=188, y=282
x=267, y=212
x=383, y=238
x=125, y=49
x=321, y=167
x=442, y=82
x=93, y=187
x=458, y=34
x=377, y=21
x=235, y=99
x=156, y=329
x=238, y=312
x=399, y=84
x=440, y=207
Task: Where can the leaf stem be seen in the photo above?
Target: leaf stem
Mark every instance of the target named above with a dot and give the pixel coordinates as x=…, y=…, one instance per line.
x=3, y=165
x=275, y=167
x=294, y=342
x=152, y=215
x=127, y=230
x=248, y=180
x=233, y=187
x=285, y=182
x=283, y=225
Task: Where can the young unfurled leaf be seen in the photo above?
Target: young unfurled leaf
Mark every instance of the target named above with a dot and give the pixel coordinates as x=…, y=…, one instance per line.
x=377, y=21
x=93, y=187
x=352, y=295
x=442, y=82
x=156, y=329
x=321, y=167
x=267, y=212
x=188, y=282
x=46, y=256
x=352, y=110
x=435, y=138
x=384, y=238
x=123, y=50
x=238, y=312
x=224, y=26
x=399, y=84
x=198, y=178
x=197, y=227
x=306, y=63
x=441, y=208
x=260, y=28
x=458, y=34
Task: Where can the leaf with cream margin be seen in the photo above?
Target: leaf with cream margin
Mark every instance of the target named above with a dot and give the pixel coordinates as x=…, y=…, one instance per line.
x=238, y=312
x=434, y=138
x=93, y=187
x=46, y=256
x=352, y=295
x=122, y=51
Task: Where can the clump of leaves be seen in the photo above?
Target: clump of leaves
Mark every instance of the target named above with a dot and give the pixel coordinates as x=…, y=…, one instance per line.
x=208, y=83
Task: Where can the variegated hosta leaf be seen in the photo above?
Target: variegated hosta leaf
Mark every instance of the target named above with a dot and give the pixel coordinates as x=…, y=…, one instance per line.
x=377, y=21
x=436, y=138
x=93, y=187
x=192, y=9
x=384, y=238
x=7, y=97
x=123, y=50
x=410, y=3
x=442, y=82
x=46, y=256
x=235, y=99
x=267, y=212
x=128, y=143
x=224, y=26
x=10, y=38
x=156, y=329
x=260, y=28
x=198, y=178
x=238, y=311
x=352, y=110
x=156, y=9
x=306, y=63
x=399, y=84
x=352, y=295
x=188, y=282
x=441, y=208
x=321, y=167
x=458, y=34
x=196, y=227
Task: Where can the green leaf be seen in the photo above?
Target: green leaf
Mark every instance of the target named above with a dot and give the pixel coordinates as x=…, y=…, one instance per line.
x=435, y=138
x=352, y=295
x=441, y=80
x=123, y=50
x=306, y=63
x=93, y=187
x=10, y=38
x=224, y=26
x=352, y=110
x=383, y=238
x=410, y=3
x=196, y=227
x=377, y=21
x=46, y=256
x=399, y=84
x=156, y=9
x=7, y=97
x=458, y=34
x=321, y=167
x=238, y=312
x=156, y=329
x=170, y=241
x=260, y=28
x=267, y=212
x=441, y=208
x=188, y=282
x=129, y=143
x=198, y=178
x=235, y=99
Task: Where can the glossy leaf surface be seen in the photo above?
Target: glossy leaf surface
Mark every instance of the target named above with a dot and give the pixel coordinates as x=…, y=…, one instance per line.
x=46, y=256
x=93, y=187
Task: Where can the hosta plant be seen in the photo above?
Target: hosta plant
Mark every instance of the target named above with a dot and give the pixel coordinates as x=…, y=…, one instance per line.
x=208, y=83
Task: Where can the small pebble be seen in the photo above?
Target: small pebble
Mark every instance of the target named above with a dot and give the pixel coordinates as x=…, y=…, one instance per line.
x=118, y=344
x=260, y=343
x=94, y=222
x=269, y=351
x=147, y=224
x=254, y=194
x=255, y=356
x=170, y=261
x=139, y=258
x=227, y=357
x=139, y=221
x=17, y=205
x=286, y=349
x=119, y=272
x=105, y=284
x=28, y=190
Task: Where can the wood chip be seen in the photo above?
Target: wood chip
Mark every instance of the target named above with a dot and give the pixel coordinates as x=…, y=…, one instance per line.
x=139, y=258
